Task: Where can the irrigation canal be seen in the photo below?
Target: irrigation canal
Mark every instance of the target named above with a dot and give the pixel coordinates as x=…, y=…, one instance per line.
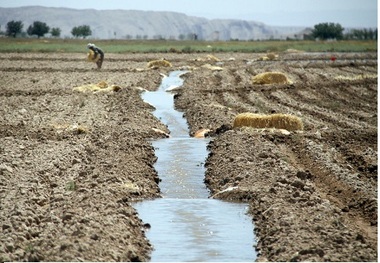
x=186, y=225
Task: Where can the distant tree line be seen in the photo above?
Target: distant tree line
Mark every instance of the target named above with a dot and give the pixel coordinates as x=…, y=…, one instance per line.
x=322, y=31
x=362, y=34
x=81, y=31
x=39, y=29
x=326, y=31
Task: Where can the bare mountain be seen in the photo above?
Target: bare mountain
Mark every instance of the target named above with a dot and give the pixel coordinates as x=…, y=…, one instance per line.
x=106, y=24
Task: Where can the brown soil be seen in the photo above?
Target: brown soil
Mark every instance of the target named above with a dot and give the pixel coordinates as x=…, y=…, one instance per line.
x=71, y=163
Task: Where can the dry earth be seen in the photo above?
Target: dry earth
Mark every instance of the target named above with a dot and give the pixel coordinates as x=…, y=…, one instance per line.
x=71, y=163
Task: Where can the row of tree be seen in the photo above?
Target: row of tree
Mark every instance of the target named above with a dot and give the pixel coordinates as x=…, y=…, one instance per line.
x=335, y=31
x=321, y=31
x=39, y=29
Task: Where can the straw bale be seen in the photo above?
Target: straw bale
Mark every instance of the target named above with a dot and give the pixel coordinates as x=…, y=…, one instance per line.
x=212, y=68
x=278, y=121
x=212, y=58
x=269, y=56
x=271, y=78
x=207, y=58
x=159, y=63
x=100, y=87
x=272, y=56
x=264, y=58
x=91, y=56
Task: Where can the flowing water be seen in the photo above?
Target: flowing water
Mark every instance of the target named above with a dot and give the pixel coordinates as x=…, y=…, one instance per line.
x=185, y=224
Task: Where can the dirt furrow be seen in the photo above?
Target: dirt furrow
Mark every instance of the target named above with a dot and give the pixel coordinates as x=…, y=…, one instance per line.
x=313, y=194
x=71, y=162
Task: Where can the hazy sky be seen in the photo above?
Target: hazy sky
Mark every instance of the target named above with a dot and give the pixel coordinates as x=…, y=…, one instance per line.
x=349, y=13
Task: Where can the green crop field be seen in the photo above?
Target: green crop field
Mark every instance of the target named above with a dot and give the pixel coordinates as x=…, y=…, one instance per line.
x=150, y=46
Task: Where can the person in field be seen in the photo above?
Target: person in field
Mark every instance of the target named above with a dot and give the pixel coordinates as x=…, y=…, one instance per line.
x=96, y=55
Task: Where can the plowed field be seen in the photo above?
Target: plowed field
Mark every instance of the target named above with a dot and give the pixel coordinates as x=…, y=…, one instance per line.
x=72, y=162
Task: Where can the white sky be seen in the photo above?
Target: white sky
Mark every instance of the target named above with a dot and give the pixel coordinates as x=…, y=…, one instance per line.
x=349, y=13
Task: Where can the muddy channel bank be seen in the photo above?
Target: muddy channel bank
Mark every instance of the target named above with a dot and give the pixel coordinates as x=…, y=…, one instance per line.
x=71, y=163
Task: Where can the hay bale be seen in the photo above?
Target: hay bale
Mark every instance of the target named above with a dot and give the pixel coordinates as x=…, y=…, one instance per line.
x=91, y=56
x=278, y=121
x=271, y=78
x=212, y=58
x=272, y=56
x=264, y=58
x=207, y=58
x=99, y=87
x=269, y=56
x=159, y=63
x=212, y=68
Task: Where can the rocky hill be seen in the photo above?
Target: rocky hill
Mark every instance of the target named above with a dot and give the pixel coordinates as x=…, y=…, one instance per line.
x=107, y=24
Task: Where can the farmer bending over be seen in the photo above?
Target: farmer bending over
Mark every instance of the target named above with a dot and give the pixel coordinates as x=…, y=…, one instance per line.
x=95, y=55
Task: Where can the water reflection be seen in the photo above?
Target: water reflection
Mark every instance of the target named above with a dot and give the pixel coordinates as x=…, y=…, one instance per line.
x=185, y=224
x=198, y=230
x=180, y=166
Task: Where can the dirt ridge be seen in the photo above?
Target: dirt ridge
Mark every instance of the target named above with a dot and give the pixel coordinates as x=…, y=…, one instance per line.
x=72, y=163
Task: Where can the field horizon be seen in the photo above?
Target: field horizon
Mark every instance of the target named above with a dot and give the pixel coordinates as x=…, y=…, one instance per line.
x=177, y=46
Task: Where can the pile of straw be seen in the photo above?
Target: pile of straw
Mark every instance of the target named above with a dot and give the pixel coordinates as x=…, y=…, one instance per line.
x=212, y=68
x=100, y=87
x=269, y=56
x=278, y=121
x=207, y=58
x=159, y=63
x=91, y=56
x=212, y=58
